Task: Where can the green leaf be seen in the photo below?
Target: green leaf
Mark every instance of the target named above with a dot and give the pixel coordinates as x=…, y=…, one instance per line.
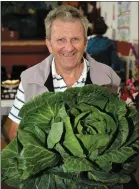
x=34, y=156
x=122, y=134
x=133, y=120
x=41, y=118
x=95, y=96
x=116, y=156
x=9, y=160
x=61, y=150
x=93, y=155
x=74, y=111
x=38, y=133
x=44, y=181
x=77, y=165
x=55, y=134
x=13, y=181
x=93, y=142
x=98, y=119
x=71, y=142
x=108, y=177
x=80, y=128
x=41, y=111
x=79, y=117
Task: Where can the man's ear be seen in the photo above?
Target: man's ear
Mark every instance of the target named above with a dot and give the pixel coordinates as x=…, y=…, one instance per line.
x=48, y=44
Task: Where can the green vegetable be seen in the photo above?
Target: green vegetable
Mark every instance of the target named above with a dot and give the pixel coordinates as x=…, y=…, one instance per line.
x=81, y=138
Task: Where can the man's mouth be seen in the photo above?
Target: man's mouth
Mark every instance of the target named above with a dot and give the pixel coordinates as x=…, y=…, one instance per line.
x=68, y=54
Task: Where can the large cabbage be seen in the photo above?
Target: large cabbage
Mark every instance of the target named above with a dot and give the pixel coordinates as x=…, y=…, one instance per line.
x=81, y=138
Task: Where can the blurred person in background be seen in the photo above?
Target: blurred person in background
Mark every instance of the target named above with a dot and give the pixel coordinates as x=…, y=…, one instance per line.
x=100, y=47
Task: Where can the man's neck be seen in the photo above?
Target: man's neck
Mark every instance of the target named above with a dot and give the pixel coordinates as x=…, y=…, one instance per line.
x=70, y=76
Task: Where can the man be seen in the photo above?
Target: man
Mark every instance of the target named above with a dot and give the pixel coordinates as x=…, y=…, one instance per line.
x=67, y=66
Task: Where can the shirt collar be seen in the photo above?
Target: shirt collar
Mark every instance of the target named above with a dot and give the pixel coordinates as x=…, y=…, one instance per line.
x=83, y=75
x=54, y=73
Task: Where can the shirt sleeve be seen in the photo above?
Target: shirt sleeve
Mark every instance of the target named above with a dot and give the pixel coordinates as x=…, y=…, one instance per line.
x=18, y=103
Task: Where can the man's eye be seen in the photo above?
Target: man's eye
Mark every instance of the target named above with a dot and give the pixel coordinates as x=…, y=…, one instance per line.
x=75, y=39
x=60, y=40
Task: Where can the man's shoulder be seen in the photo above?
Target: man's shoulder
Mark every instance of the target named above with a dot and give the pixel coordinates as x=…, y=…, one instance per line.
x=39, y=68
x=101, y=73
x=95, y=64
x=38, y=72
x=35, y=67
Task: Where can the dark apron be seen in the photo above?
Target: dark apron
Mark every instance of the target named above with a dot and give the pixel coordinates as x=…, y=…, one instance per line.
x=49, y=82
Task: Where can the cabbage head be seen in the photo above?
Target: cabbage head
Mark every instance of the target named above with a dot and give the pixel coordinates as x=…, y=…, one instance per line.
x=83, y=138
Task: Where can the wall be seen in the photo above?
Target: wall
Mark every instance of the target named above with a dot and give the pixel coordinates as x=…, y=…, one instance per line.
x=107, y=13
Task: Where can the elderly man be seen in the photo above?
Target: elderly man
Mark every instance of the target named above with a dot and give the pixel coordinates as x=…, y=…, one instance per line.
x=67, y=66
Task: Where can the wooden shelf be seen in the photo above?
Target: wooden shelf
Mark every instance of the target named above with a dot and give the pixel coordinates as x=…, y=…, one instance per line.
x=20, y=52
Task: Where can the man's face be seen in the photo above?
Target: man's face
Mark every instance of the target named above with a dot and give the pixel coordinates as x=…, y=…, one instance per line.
x=67, y=43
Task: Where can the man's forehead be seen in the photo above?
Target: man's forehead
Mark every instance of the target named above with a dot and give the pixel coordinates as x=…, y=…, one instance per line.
x=65, y=21
x=66, y=28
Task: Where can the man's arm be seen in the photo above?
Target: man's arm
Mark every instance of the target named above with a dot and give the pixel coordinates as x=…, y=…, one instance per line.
x=11, y=128
x=11, y=124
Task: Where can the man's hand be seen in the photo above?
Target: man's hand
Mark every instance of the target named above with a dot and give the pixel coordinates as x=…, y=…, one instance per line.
x=111, y=88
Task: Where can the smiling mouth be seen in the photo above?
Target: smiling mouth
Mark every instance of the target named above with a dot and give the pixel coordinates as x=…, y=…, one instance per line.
x=68, y=55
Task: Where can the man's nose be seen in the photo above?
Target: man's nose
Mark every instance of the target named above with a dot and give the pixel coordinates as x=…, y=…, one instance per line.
x=69, y=46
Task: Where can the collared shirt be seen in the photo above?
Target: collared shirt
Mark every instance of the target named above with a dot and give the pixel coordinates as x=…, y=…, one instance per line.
x=59, y=85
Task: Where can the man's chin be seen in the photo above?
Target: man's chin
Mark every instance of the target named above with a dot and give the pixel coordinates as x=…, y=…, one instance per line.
x=68, y=64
